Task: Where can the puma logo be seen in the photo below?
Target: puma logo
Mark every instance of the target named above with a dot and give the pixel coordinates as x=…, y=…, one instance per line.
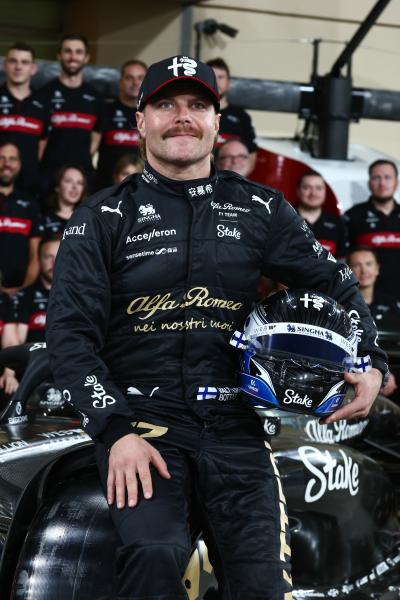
x=261, y=201
x=113, y=210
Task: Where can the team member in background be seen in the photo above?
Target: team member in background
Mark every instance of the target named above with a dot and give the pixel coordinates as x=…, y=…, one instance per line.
x=23, y=119
x=152, y=279
x=235, y=122
x=68, y=191
x=118, y=123
x=74, y=108
x=127, y=165
x=234, y=156
x=20, y=226
x=376, y=223
x=329, y=229
x=363, y=261
x=8, y=337
x=31, y=303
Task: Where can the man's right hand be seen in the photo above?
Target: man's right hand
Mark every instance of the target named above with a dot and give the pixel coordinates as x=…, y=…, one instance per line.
x=130, y=456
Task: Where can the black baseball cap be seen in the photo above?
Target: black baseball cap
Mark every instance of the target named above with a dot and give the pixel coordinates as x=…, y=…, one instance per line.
x=176, y=68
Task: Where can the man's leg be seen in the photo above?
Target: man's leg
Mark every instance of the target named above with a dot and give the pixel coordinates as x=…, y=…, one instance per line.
x=245, y=516
x=155, y=534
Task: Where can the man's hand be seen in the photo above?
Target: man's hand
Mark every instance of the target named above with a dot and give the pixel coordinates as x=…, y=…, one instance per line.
x=366, y=388
x=9, y=382
x=130, y=456
x=390, y=387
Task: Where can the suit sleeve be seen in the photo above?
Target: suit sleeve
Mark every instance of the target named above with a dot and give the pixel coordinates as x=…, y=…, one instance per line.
x=77, y=323
x=294, y=257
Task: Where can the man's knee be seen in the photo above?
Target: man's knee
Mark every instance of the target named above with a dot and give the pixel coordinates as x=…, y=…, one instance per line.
x=150, y=569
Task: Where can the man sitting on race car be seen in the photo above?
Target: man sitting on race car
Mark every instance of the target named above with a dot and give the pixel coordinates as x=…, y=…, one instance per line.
x=152, y=278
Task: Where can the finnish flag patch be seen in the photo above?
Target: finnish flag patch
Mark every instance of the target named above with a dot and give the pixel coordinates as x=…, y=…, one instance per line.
x=239, y=340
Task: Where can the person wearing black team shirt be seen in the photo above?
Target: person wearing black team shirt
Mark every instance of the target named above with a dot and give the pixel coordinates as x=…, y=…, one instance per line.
x=31, y=303
x=74, y=108
x=329, y=229
x=20, y=226
x=23, y=119
x=68, y=192
x=363, y=261
x=376, y=223
x=8, y=337
x=235, y=122
x=118, y=122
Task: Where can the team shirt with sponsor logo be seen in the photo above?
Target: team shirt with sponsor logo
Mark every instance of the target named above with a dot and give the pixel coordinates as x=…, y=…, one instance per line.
x=24, y=123
x=20, y=220
x=30, y=307
x=368, y=226
x=236, y=123
x=383, y=305
x=6, y=311
x=53, y=224
x=119, y=136
x=330, y=231
x=74, y=114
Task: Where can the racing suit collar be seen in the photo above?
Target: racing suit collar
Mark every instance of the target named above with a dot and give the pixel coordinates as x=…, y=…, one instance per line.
x=195, y=188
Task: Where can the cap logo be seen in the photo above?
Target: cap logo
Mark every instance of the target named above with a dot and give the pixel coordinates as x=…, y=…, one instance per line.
x=187, y=64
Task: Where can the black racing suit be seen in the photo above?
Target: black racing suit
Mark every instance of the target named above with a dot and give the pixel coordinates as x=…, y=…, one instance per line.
x=152, y=278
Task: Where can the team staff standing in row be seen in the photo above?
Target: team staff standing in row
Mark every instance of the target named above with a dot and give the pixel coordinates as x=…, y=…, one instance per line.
x=24, y=120
x=376, y=224
x=75, y=108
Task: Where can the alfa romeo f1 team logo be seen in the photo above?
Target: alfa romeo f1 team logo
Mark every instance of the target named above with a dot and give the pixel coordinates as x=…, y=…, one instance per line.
x=188, y=66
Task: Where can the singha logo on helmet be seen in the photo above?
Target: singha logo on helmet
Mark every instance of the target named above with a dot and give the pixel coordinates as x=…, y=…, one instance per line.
x=295, y=349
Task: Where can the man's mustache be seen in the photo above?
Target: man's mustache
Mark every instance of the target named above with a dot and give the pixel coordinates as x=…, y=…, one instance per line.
x=173, y=131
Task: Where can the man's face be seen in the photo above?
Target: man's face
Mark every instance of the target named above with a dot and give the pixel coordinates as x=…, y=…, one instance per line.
x=223, y=82
x=234, y=156
x=365, y=267
x=130, y=82
x=311, y=192
x=10, y=164
x=47, y=258
x=383, y=182
x=179, y=125
x=19, y=67
x=73, y=57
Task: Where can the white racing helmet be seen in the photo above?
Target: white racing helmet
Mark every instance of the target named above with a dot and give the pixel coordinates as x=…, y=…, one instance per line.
x=296, y=346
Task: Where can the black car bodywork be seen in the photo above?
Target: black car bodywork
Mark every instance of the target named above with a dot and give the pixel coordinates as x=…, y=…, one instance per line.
x=57, y=540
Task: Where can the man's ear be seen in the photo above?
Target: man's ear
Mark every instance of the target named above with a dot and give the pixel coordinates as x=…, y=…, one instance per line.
x=141, y=124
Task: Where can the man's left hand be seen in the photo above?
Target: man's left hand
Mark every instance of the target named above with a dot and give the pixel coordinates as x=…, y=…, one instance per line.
x=366, y=388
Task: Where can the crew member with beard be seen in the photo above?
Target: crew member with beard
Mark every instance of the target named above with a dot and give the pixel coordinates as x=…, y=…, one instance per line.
x=20, y=226
x=74, y=108
x=30, y=304
x=118, y=122
x=376, y=224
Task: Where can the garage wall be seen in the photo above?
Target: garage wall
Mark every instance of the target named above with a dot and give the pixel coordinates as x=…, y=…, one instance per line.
x=123, y=29
x=274, y=42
